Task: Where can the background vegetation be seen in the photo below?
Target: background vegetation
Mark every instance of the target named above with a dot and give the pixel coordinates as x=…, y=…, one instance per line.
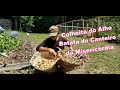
x=104, y=62
x=39, y=24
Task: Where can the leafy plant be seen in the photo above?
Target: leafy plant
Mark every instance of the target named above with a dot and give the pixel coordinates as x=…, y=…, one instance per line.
x=8, y=43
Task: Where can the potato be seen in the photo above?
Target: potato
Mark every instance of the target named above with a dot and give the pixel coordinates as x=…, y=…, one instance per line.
x=43, y=61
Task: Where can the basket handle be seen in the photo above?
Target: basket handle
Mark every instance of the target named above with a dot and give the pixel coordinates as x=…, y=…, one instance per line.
x=61, y=50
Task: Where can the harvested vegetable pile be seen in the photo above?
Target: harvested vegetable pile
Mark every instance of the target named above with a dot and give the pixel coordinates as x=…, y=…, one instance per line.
x=43, y=61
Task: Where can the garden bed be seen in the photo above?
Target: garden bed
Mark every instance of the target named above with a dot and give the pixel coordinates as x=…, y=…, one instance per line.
x=17, y=59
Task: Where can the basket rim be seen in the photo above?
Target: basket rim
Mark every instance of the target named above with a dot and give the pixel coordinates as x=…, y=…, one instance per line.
x=36, y=66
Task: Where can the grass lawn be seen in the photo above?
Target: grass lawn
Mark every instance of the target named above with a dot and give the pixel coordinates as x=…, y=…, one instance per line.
x=104, y=62
x=35, y=38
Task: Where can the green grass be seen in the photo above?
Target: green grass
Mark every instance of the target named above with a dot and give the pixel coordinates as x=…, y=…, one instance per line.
x=105, y=62
x=35, y=38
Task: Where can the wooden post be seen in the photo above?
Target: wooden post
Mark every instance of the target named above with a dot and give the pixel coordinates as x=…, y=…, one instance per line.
x=77, y=26
x=87, y=30
x=65, y=27
x=98, y=24
x=83, y=27
x=72, y=25
x=92, y=27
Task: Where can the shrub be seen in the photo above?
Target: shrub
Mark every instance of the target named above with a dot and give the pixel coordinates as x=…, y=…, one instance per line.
x=114, y=32
x=8, y=43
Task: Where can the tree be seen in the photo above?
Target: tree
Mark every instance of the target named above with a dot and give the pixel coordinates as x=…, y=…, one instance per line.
x=26, y=23
x=40, y=23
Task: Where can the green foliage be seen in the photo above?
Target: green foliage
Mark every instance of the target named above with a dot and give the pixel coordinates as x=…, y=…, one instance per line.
x=47, y=21
x=39, y=23
x=27, y=22
x=118, y=38
x=115, y=30
x=8, y=43
x=109, y=32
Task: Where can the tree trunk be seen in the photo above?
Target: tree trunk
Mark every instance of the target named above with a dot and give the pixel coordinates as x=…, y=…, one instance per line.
x=15, y=24
x=20, y=26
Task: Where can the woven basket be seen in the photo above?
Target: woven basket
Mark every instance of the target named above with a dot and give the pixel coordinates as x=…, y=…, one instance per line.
x=43, y=61
x=71, y=62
